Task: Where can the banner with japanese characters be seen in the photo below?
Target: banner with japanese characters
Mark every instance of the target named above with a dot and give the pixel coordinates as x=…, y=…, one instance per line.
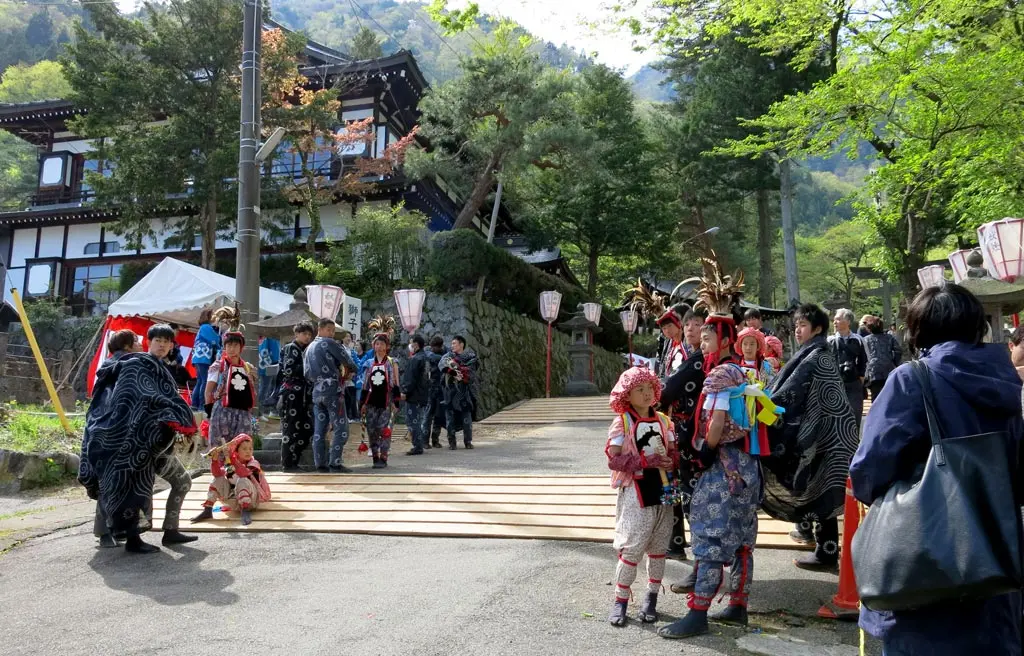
x=351, y=316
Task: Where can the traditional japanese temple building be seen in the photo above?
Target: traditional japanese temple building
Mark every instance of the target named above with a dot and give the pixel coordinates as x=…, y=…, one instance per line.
x=59, y=243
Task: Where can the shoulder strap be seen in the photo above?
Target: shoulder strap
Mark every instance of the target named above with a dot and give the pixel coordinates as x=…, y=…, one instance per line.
x=934, y=430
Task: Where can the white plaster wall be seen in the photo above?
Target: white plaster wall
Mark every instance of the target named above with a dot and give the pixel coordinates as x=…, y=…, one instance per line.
x=24, y=242
x=79, y=235
x=51, y=242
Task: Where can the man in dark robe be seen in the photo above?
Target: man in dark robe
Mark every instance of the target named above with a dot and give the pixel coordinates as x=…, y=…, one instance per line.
x=459, y=369
x=679, y=400
x=811, y=448
x=295, y=399
x=128, y=439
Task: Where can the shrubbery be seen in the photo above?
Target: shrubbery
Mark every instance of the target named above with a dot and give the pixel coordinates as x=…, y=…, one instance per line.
x=458, y=258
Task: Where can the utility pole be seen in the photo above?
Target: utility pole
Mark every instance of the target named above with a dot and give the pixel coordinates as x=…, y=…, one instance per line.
x=788, y=231
x=247, y=259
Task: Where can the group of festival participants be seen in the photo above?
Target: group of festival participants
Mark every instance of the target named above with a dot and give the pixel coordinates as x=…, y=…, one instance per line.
x=137, y=416
x=693, y=443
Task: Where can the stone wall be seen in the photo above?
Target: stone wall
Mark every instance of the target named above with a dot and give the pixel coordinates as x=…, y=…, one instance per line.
x=511, y=348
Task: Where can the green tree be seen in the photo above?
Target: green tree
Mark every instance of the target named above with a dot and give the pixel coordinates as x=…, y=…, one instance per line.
x=932, y=86
x=384, y=250
x=366, y=45
x=501, y=114
x=18, y=163
x=179, y=63
x=601, y=196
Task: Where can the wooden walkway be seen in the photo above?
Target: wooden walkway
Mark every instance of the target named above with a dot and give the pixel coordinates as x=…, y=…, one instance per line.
x=554, y=411
x=578, y=508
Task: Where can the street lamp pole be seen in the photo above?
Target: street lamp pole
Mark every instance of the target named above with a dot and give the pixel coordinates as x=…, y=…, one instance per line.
x=247, y=260
x=707, y=233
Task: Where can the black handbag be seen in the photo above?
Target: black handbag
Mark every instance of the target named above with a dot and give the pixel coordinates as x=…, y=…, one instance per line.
x=951, y=533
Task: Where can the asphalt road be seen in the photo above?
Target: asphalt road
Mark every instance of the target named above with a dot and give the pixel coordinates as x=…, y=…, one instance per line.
x=351, y=594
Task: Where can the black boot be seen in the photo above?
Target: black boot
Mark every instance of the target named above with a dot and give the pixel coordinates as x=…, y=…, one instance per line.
x=694, y=624
x=107, y=541
x=618, y=614
x=376, y=462
x=452, y=444
x=814, y=563
x=206, y=514
x=435, y=440
x=134, y=544
x=649, y=611
x=733, y=615
x=177, y=537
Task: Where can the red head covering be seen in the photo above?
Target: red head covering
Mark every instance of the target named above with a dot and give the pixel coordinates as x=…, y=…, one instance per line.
x=774, y=345
x=762, y=346
x=237, y=442
x=629, y=380
x=670, y=316
x=724, y=327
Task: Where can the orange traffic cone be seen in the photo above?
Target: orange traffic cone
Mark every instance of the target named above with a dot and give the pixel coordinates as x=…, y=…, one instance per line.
x=846, y=604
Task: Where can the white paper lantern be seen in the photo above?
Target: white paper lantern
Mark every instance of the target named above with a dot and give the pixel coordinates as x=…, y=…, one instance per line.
x=410, y=307
x=958, y=262
x=549, y=304
x=325, y=300
x=1002, y=246
x=931, y=276
x=629, y=320
x=592, y=311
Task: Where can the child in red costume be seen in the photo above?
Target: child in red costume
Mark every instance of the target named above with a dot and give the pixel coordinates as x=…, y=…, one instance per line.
x=240, y=479
x=641, y=449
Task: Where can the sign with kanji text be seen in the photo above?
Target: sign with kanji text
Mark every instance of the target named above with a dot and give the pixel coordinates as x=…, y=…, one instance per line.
x=352, y=316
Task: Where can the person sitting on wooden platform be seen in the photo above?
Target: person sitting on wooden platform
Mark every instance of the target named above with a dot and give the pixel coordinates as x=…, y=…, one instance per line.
x=237, y=479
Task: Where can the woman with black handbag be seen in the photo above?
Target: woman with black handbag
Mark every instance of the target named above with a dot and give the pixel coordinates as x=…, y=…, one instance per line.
x=938, y=556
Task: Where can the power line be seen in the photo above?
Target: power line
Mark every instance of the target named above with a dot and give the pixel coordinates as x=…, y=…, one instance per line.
x=25, y=3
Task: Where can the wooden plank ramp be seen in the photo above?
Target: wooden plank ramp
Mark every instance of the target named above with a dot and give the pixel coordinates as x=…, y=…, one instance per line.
x=554, y=411
x=578, y=508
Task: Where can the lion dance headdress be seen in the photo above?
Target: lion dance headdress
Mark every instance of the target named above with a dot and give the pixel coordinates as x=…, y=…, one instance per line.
x=719, y=294
x=383, y=327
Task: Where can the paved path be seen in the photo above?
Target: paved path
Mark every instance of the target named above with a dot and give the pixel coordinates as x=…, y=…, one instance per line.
x=351, y=594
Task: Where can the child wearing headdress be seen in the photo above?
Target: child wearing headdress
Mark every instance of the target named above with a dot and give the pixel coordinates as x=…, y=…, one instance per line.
x=723, y=510
x=752, y=347
x=381, y=393
x=238, y=479
x=230, y=392
x=774, y=357
x=640, y=449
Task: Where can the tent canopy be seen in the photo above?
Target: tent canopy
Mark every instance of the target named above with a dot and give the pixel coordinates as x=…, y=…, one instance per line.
x=176, y=292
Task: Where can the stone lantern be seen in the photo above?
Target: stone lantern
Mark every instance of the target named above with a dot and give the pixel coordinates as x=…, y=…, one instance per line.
x=581, y=355
x=999, y=298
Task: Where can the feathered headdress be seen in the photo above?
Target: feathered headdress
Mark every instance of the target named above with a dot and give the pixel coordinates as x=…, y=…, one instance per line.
x=230, y=315
x=383, y=325
x=647, y=301
x=717, y=293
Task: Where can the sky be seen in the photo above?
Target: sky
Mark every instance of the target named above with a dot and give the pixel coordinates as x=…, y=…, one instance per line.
x=571, y=22
x=582, y=24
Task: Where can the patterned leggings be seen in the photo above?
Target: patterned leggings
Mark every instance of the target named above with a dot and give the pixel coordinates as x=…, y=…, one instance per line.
x=377, y=419
x=639, y=531
x=243, y=492
x=709, y=580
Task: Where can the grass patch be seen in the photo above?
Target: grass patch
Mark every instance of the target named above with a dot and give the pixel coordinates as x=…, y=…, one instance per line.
x=23, y=513
x=37, y=433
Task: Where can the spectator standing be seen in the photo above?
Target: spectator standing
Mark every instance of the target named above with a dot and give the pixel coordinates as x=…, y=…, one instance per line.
x=752, y=319
x=351, y=401
x=975, y=391
x=416, y=389
x=884, y=354
x=204, y=353
x=459, y=369
x=269, y=367
x=436, y=410
x=1017, y=350
x=853, y=361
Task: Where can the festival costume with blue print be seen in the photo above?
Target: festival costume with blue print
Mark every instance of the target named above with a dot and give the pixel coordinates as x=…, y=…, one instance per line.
x=323, y=364
x=646, y=493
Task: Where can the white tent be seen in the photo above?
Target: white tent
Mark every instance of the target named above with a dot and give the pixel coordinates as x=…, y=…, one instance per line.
x=176, y=291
